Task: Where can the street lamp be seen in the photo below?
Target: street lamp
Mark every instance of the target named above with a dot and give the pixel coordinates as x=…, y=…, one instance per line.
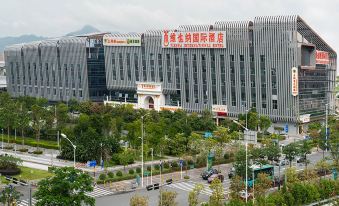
x=246, y=145
x=151, y=165
x=2, y=145
x=326, y=129
x=74, y=147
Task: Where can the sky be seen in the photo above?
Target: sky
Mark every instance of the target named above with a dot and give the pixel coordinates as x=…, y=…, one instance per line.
x=54, y=18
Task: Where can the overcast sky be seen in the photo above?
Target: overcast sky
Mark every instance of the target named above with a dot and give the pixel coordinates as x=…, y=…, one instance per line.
x=57, y=17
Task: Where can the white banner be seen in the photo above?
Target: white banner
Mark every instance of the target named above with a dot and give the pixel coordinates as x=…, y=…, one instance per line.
x=194, y=39
x=122, y=41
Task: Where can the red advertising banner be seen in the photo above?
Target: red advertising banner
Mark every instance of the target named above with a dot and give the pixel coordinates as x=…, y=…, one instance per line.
x=198, y=39
x=321, y=57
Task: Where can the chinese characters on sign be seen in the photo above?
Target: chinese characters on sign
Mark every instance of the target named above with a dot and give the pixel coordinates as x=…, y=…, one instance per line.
x=122, y=41
x=295, y=81
x=321, y=57
x=208, y=39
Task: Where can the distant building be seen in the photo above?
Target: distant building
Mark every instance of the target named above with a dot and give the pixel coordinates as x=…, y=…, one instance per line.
x=277, y=64
x=3, y=83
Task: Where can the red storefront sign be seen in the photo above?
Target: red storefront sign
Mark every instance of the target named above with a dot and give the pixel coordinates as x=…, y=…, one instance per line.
x=321, y=57
x=208, y=39
x=295, y=81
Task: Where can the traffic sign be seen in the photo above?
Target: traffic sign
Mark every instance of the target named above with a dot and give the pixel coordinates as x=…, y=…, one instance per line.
x=92, y=163
x=286, y=128
x=181, y=163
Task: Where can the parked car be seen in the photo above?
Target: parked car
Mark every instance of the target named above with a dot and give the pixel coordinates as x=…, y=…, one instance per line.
x=282, y=163
x=301, y=159
x=214, y=176
x=206, y=174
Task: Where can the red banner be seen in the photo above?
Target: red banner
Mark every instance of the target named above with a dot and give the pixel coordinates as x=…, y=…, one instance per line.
x=321, y=57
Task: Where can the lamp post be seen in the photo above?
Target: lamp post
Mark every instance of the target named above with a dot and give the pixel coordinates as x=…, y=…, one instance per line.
x=74, y=147
x=246, y=117
x=326, y=125
x=2, y=145
x=151, y=165
x=246, y=145
x=142, y=151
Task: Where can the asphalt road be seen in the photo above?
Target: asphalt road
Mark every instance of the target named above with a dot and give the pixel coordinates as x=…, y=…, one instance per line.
x=184, y=187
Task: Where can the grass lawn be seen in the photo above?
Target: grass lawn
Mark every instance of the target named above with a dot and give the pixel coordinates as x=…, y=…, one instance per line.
x=29, y=174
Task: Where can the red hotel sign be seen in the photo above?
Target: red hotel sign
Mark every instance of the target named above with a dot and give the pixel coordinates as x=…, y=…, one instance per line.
x=208, y=39
x=295, y=81
x=321, y=57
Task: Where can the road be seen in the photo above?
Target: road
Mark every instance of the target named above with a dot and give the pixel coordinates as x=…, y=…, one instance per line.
x=184, y=187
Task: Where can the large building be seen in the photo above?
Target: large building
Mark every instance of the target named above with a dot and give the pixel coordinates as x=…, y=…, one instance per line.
x=278, y=65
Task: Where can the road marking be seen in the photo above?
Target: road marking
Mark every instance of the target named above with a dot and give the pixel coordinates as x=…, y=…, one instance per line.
x=99, y=192
x=25, y=202
x=189, y=186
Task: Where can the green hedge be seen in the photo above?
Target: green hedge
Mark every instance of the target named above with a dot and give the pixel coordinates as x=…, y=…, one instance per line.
x=47, y=144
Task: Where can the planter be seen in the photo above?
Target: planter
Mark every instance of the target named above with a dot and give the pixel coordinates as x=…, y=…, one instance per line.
x=12, y=171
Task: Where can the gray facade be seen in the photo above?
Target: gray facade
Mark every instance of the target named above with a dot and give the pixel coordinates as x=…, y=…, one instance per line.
x=252, y=71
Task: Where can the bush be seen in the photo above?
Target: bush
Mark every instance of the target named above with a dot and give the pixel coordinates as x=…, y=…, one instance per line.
x=131, y=171
x=138, y=170
x=102, y=176
x=156, y=167
x=110, y=174
x=186, y=177
x=175, y=165
x=8, y=147
x=37, y=152
x=23, y=150
x=166, y=165
x=148, y=168
x=119, y=173
x=226, y=156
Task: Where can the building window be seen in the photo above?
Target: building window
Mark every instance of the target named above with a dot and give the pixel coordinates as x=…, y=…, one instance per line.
x=195, y=78
x=223, y=78
x=275, y=104
x=136, y=67
x=233, y=89
x=121, y=67
x=214, y=81
x=204, y=78
x=129, y=74
x=176, y=64
x=241, y=58
x=113, y=67
x=160, y=67
x=169, y=69
x=187, y=94
x=72, y=76
x=151, y=59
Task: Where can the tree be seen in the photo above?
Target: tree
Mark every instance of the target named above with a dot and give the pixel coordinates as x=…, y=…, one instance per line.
x=216, y=199
x=272, y=152
x=167, y=198
x=126, y=157
x=264, y=123
x=240, y=163
x=193, y=196
x=10, y=196
x=23, y=121
x=222, y=135
x=291, y=151
x=291, y=175
x=305, y=149
x=67, y=187
x=39, y=120
x=138, y=200
x=262, y=184
x=237, y=185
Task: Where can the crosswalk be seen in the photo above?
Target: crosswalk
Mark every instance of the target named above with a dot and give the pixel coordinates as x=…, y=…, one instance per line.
x=26, y=203
x=189, y=186
x=97, y=192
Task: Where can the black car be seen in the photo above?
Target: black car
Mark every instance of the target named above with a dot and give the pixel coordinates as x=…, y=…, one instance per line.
x=301, y=159
x=205, y=175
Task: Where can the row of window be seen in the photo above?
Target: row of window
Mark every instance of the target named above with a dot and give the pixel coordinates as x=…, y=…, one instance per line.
x=29, y=90
x=32, y=73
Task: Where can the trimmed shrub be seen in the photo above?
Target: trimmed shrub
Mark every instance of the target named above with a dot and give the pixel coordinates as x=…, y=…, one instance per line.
x=131, y=171
x=38, y=152
x=156, y=167
x=175, y=165
x=186, y=177
x=138, y=170
x=148, y=168
x=166, y=165
x=226, y=156
x=102, y=176
x=110, y=174
x=119, y=173
x=23, y=150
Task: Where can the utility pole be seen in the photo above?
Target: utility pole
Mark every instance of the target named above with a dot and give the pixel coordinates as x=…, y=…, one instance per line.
x=151, y=165
x=142, y=151
x=246, y=172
